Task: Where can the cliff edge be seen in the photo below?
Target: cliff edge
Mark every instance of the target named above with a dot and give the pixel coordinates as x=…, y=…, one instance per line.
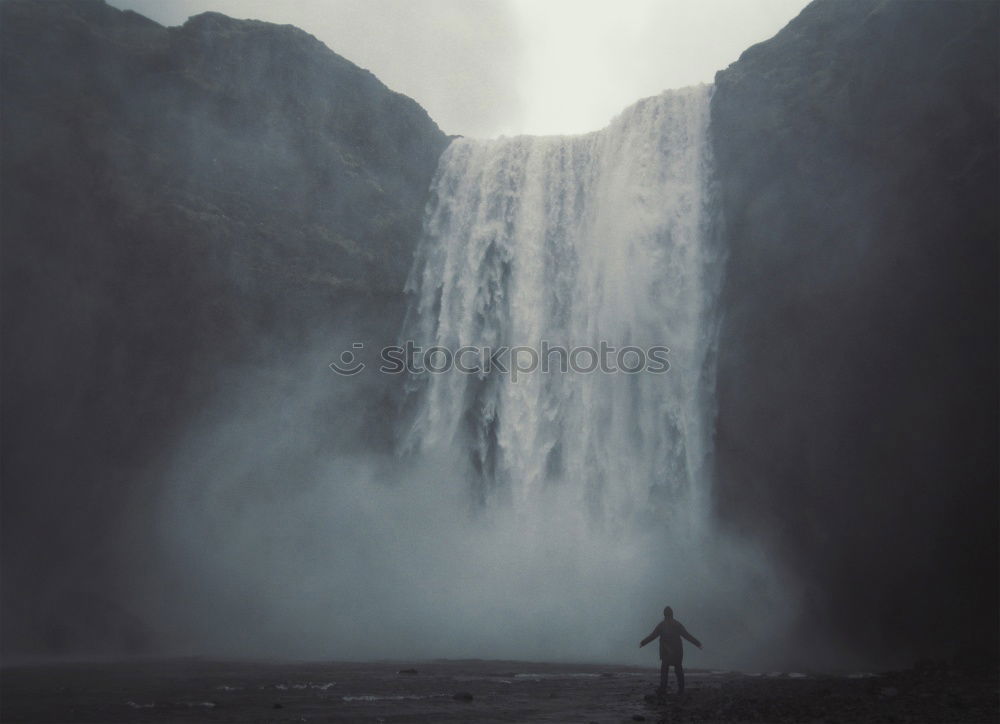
x=857, y=156
x=176, y=202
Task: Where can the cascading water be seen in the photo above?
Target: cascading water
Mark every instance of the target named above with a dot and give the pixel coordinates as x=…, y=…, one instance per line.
x=574, y=241
x=587, y=511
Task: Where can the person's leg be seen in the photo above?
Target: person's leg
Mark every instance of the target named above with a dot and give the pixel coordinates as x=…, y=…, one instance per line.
x=679, y=672
x=664, y=670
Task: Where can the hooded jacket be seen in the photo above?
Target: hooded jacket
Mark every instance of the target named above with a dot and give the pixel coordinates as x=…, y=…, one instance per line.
x=670, y=631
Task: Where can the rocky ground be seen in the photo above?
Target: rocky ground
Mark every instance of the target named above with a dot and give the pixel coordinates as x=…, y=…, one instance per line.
x=195, y=690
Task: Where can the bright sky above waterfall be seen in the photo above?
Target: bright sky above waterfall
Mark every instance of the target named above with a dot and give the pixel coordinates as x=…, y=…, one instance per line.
x=491, y=67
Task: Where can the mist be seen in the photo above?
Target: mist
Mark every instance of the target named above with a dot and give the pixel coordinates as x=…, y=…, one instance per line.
x=550, y=517
x=273, y=542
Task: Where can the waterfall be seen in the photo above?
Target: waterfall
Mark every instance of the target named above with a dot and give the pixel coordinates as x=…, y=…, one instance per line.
x=547, y=515
x=573, y=241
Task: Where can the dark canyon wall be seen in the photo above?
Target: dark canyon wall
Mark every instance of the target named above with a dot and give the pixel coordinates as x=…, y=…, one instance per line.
x=176, y=203
x=857, y=424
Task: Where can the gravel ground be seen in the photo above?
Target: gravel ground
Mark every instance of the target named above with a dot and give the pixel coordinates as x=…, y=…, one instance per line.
x=201, y=690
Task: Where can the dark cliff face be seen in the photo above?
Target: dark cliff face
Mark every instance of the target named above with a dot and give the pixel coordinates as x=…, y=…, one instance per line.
x=857, y=425
x=175, y=203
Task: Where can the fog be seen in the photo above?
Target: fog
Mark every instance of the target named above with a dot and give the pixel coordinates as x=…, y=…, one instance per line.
x=485, y=68
x=470, y=516
x=271, y=542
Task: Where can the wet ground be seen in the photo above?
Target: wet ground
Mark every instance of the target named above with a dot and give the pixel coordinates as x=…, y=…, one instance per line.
x=195, y=690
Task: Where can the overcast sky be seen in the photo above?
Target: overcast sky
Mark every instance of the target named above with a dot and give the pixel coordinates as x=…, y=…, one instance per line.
x=492, y=67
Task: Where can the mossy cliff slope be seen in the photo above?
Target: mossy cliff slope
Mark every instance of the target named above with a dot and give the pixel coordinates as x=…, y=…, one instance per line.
x=177, y=203
x=857, y=383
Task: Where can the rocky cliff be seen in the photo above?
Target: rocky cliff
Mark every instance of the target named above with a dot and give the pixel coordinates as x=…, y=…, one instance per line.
x=176, y=202
x=857, y=424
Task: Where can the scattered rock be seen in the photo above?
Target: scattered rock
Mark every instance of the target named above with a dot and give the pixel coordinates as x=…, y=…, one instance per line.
x=407, y=671
x=888, y=691
x=463, y=696
x=278, y=706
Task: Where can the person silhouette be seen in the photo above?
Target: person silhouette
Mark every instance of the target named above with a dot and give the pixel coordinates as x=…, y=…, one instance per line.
x=670, y=631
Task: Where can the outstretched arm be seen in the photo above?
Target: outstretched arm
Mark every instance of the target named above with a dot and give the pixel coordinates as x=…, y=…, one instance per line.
x=689, y=637
x=656, y=632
